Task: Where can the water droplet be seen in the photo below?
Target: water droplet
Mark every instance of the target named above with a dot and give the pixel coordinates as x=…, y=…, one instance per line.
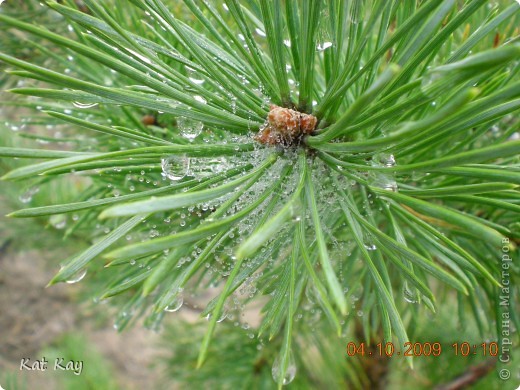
x=323, y=46
x=196, y=81
x=175, y=305
x=233, y=104
x=260, y=32
x=370, y=247
x=59, y=221
x=189, y=128
x=200, y=99
x=194, y=76
x=382, y=179
x=84, y=105
x=389, y=161
x=77, y=276
x=495, y=130
x=409, y=295
x=290, y=371
x=175, y=167
x=27, y=196
x=515, y=136
x=140, y=56
x=223, y=316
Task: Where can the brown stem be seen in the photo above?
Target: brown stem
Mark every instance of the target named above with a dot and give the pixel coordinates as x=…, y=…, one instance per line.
x=472, y=375
x=374, y=365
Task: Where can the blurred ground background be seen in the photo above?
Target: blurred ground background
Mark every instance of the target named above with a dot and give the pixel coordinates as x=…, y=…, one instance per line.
x=36, y=321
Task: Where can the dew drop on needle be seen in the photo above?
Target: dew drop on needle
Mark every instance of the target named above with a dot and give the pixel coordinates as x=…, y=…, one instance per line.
x=175, y=167
x=290, y=371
